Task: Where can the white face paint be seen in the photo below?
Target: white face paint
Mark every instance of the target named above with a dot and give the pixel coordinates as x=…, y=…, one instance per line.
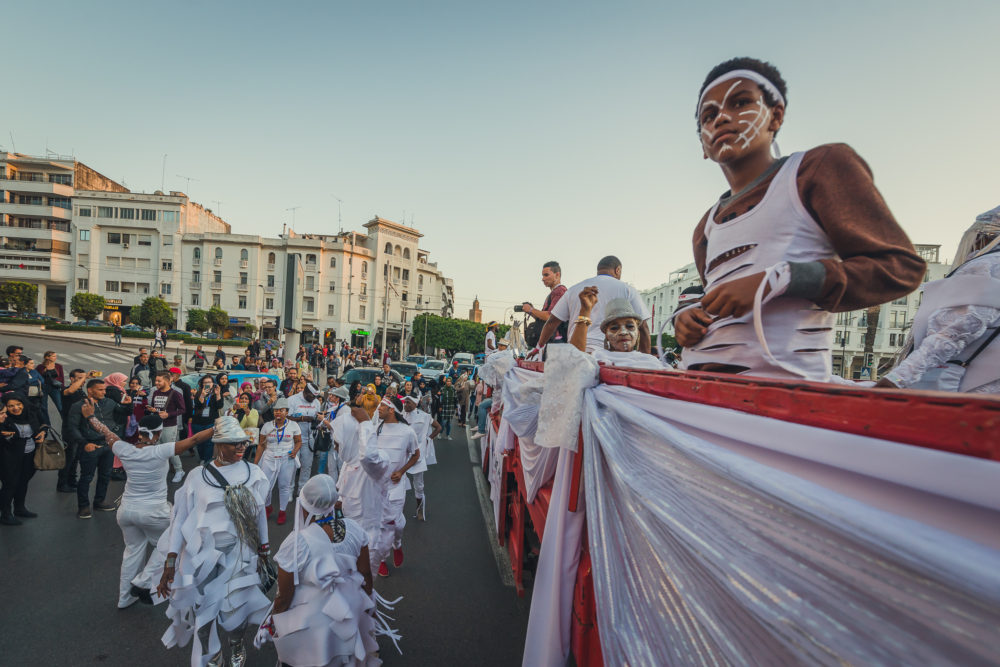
x=753, y=121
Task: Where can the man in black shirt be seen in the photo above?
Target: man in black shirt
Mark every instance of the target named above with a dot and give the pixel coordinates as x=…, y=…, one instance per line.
x=185, y=390
x=72, y=393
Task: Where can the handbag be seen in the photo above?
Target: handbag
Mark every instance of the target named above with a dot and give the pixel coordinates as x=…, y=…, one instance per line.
x=34, y=391
x=50, y=455
x=322, y=441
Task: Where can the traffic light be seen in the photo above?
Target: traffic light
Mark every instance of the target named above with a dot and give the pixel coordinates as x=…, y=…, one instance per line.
x=277, y=322
x=869, y=359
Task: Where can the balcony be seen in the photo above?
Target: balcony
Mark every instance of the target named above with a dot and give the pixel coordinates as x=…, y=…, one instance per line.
x=363, y=298
x=269, y=289
x=310, y=266
x=244, y=263
x=195, y=285
x=196, y=261
x=47, y=225
x=364, y=275
x=270, y=267
x=406, y=283
x=36, y=187
x=215, y=285
x=218, y=261
x=243, y=287
x=36, y=211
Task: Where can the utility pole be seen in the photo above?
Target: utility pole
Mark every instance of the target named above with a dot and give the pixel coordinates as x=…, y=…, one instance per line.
x=402, y=337
x=385, y=311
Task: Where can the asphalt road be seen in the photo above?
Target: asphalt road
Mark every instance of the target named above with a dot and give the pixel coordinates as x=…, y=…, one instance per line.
x=60, y=576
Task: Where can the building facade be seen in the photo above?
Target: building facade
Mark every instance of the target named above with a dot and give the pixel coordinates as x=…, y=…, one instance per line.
x=663, y=299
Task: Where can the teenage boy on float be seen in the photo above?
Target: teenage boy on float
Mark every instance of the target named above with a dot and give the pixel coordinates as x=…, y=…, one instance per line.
x=805, y=236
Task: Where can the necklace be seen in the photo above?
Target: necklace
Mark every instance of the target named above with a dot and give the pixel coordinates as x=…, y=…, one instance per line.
x=339, y=528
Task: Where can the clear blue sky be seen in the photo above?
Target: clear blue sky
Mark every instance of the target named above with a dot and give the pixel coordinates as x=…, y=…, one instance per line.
x=512, y=133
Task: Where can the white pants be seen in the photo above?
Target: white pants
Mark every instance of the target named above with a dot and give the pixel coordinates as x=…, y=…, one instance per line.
x=391, y=533
x=169, y=434
x=141, y=525
x=280, y=469
x=418, y=485
x=305, y=455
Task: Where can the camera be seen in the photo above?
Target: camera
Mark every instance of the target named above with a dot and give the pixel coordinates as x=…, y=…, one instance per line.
x=519, y=309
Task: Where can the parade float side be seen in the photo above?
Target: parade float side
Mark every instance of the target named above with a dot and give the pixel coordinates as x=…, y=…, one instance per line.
x=699, y=518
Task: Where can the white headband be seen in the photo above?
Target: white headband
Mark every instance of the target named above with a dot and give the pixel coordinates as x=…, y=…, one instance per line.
x=744, y=74
x=386, y=401
x=149, y=433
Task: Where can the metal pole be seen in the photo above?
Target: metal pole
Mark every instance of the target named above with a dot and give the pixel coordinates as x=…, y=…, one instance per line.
x=385, y=312
x=402, y=337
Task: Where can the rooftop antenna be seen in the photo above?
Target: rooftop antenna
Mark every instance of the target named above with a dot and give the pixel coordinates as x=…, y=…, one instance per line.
x=187, y=190
x=13, y=146
x=218, y=207
x=293, y=209
x=340, y=221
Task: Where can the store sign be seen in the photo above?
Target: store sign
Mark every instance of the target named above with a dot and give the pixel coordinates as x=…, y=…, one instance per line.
x=234, y=320
x=113, y=301
x=361, y=332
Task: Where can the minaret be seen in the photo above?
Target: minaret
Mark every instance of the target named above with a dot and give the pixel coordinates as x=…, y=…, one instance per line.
x=476, y=315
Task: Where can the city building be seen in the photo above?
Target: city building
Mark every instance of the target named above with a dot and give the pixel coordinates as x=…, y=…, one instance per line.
x=663, y=299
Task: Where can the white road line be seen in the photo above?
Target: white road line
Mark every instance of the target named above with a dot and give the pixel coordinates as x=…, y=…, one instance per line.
x=106, y=357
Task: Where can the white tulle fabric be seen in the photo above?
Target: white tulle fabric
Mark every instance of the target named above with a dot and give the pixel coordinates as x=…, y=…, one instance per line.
x=215, y=581
x=495, y=367
x=329, y=621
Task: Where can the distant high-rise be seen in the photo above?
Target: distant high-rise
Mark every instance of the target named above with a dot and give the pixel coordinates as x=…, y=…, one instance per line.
x=475, y=314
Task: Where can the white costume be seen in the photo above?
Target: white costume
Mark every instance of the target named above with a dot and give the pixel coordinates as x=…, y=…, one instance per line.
x=608, y=288
x=144, y=514
x=216, y=582
x=420, y=422
x=397, y=442
x=298, y=406
x=276, y=461
x=792, y=337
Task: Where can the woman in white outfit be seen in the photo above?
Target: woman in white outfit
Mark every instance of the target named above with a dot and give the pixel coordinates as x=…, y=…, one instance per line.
x=216, y=546
x=302, y=409
x=426, y=428
x=323, y=612
x=144, y=513
x=277, y=456
x=398, y=443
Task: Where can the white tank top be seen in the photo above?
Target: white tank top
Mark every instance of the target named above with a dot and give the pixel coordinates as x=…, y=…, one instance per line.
x=798, y=332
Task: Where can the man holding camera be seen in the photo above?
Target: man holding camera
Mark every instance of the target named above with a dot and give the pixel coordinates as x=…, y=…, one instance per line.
x=551, y=278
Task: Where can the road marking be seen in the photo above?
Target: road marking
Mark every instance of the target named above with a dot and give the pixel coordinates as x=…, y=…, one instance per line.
x=486, y=505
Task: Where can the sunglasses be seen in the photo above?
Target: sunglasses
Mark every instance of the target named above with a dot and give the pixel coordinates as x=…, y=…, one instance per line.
x=237, y=445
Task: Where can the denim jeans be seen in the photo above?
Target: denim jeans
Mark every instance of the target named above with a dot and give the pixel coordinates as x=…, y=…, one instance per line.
x=118, y=339
x=99, y=460
x=446, y=425
x=484, y=411
x=206, y=450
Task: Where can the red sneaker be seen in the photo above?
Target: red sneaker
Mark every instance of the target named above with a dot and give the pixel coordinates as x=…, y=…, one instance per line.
x=281, y=517
x=383, y=570
x=397, y=557
x=268, y=509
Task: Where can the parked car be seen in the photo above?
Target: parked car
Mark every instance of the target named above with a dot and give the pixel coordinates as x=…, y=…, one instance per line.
x=41, y=318
x=132, y=327
x=404, y=368
x=178, y=332
x=470, y=369
x=367, y=376
x=237, y=377
x=211, y=335
x=7, y=313
x=92, y=323
x=417, y=359
x=433, y=369
x=462, y=358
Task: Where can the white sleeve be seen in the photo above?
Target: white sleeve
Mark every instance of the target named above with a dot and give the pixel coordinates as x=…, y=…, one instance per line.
x=293, y=428
x=163, y=451
x=561, y=309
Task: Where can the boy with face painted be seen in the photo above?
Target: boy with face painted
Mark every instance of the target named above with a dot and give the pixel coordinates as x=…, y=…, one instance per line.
x=804, y=236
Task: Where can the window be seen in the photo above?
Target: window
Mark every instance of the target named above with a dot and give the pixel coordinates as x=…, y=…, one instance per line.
x=901, y=301
x=147, y=214
x=361, y=312
x=128, y=288
x=333, y=262
x=244, y=255
x=167, y=265
x=395, y=273
x=216, y=299
x=111, y=286
x=195, y=299
x=309, y=304
x=217, y=276
x=197, y=253
x=333, y=287
x=388, y=248
x=898, y=320
x=404, y=297
x=115, y=238
x=126, y=213
x=105, y=212
x=329, y=310
x=269, y=304
x=168, y=239
x=126, y=238
x=165, y=288
x=892, y=340
x=218, y=253
x=85, y=211
x=270, y=280
x=406, y=274
x=310, y=283
x=171, y=216
x=310, y=259
x=143, y=263
x=397, y=250
x=385, y=269
x=196, y=276
x=142, y=288
x=364, y=267
x=243, y=277
x=84, y=234
x=270, y=258
x=110, y=260
x=243, y=302
x=83, y=284
x=145, y=239
x=364, y=288
x=65, y=179
x=420, y=282
x=406, y=253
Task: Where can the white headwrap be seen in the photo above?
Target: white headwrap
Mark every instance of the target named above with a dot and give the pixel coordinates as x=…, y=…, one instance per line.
x=318, y=497
x=987, y=224
x=757, y=78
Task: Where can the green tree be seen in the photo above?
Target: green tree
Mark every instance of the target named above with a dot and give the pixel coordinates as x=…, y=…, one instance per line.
x=153, y=312
x=86, y=306
x=218, y=319
x=450, y=334
x=667, y=341
x=197, y=320
x=19, y=296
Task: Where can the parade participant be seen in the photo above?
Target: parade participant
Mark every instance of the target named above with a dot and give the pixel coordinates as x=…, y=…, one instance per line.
x=491, y=338
x=370, y=400
x=398, y=442
x=168, y=404
x=144, y=512
x=621, y=325
x=792, y=241
x=94, y=454
x=323, y=612
x=302, y=409
x=610, y=286
x=216, y=546
x=361, y=488
x=20, y=431
x=207, y=407
x=426, y=429
x=953, y=344
x=333, y=405
x=277, y=455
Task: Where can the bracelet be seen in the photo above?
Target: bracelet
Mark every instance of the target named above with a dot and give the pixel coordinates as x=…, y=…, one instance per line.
x=583, y=319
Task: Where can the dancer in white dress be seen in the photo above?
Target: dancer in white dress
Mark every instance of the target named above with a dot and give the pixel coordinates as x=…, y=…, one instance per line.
x=398, y=443
x=427, y=428
x=216, y=545
x=277, y=456
x=323, y=613
x=144, y=512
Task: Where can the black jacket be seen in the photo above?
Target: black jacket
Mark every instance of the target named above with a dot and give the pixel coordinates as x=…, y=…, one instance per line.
x=111, y=414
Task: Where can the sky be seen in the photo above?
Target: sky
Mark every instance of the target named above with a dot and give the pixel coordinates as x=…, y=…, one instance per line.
x=508, y=133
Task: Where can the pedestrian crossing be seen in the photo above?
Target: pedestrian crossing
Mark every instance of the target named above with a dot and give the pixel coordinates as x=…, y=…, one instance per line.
x=88, y=358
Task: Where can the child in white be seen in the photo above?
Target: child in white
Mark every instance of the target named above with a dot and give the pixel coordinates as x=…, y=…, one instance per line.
x=426, y=429
x=280, y=443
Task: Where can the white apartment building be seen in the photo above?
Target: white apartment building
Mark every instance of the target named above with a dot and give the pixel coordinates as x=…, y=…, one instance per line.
x=663, y=299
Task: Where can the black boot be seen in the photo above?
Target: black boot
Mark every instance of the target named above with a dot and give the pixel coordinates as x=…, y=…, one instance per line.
x=9, y=519
x=24, y=512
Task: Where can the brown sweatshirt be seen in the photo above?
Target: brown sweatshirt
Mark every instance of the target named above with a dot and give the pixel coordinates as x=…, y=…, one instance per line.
x=877, y=263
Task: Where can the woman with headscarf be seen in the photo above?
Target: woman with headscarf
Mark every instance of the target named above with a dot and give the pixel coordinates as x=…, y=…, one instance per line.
x=20, y=432
x=206, y=408
x=323, y=612
x=355, y=389
x=217, y=548
x=462, y=391
x=953, y=343
x=249, y=420
x=144, y=512
x=370, y=400
x=398, y=442
x=426, y=399
x=116, y=386
x=277, y=454
x=227, y=391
